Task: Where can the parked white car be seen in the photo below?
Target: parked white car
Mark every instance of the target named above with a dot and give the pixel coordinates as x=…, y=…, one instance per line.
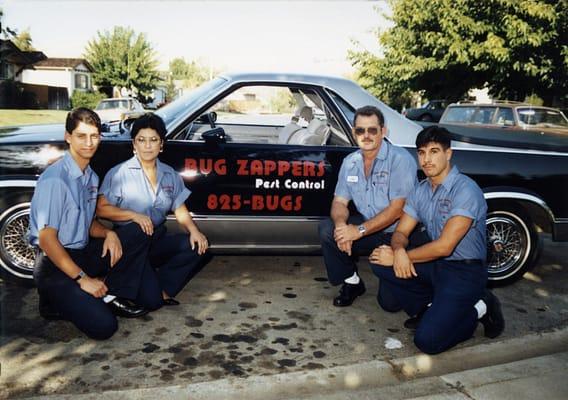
x=117, y=109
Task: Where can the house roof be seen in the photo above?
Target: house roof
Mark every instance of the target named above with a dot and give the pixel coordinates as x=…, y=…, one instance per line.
x=63, y=63
x=13, y=54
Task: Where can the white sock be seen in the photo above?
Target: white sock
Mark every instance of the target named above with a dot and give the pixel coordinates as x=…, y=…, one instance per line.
x=481, y=308
x=108, y=298
x=353, y=279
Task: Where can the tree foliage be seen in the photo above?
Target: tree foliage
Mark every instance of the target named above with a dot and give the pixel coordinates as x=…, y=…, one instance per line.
x=516, y=48
x=123, y=59
x=24, y=40
x=190, y=73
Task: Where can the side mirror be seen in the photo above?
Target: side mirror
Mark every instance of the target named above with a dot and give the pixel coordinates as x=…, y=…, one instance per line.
x=214, y=136
x=208, y=118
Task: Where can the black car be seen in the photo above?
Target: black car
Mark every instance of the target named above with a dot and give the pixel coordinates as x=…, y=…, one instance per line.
x=429, y=112
x=261, y=154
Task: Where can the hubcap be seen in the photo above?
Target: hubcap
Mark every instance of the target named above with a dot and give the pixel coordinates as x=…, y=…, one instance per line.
x=14, y=242
x=507, y=244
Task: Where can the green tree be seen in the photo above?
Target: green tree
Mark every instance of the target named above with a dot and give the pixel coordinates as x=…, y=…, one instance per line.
x=516, y=48
x=190, y=73
x=123, y=59
x=24, y=40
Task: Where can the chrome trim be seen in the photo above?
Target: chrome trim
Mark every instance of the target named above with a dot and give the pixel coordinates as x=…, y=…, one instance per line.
x=521, y=196
x=247, y=218
x=18, y=183
x=264, y=246
x=496, y=149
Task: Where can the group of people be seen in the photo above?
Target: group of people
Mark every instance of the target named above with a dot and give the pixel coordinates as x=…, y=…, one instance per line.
x=87, y=273
x=426, y=241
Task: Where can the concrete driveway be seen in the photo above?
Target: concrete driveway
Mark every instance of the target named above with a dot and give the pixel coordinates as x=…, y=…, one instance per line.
x=243, y=317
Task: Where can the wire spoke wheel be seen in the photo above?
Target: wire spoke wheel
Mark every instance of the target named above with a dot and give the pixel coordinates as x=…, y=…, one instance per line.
x=16, y=255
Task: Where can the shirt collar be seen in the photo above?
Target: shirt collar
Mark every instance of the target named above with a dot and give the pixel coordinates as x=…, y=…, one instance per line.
x=134, y=163
x=74, y=170
x=381, y=155
x=451, y=178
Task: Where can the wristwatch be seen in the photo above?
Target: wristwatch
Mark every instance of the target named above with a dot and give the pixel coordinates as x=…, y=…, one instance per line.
x=361, y=228
x=81, y=275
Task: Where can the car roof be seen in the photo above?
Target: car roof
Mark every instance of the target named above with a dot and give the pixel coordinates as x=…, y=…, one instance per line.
x=503, y=104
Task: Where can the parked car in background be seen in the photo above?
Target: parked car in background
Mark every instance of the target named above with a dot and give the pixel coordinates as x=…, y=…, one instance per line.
x=261, y=154
x=509, y=116
x=429, y=112
x=117, y=109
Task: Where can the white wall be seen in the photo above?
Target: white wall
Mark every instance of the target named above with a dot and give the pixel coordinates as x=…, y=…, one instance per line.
x=59, y=78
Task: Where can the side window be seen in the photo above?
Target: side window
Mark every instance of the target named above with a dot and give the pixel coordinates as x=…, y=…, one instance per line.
x=269, y=114
x=484, y=115
x=504, y=117
x=459, y=114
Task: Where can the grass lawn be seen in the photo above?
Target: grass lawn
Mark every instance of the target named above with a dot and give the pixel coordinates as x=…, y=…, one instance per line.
x=26, y=117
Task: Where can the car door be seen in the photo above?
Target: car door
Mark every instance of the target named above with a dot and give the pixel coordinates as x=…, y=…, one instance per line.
x=254, y=189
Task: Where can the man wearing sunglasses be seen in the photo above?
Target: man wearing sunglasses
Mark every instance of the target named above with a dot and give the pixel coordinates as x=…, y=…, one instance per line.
x=376, y=178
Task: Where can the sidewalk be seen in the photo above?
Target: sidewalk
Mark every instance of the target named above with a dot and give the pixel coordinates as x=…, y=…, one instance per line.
x=530, y=367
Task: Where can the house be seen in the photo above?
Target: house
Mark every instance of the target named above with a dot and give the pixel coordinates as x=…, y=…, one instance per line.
x=54, y=80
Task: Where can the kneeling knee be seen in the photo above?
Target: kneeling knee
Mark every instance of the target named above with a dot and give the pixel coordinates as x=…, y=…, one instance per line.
x=103, y=329
x=428, y=342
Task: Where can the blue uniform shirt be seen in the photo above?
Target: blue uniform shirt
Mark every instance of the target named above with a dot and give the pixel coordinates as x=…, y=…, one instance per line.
x=392, y=176
x=457, y=195
x=64, y=199
x=126, y=186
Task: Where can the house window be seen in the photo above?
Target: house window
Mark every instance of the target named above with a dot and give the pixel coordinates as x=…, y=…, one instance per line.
x=81, y=81
x=5, y=70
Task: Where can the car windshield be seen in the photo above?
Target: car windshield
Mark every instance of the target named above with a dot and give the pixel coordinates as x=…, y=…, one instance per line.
x=107, y=105
x=542, y=117
x=172, y=111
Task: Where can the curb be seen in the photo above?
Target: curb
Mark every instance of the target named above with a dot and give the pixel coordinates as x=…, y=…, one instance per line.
x=367, y=375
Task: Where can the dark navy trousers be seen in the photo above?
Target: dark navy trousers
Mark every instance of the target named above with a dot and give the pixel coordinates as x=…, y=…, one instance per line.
x=170, y=256
x=452, y=288
x=129, y=278
x=339, y=265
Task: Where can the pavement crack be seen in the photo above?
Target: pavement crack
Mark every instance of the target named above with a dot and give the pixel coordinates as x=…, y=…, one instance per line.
x=458, y=386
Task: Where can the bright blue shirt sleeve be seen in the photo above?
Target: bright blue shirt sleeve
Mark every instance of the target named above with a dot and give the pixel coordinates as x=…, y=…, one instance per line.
x=467, y=202
x=341, y=189
x=49, y=204
x=181, y=193
x=411, y=205
x=403, y=176
x=111, y=188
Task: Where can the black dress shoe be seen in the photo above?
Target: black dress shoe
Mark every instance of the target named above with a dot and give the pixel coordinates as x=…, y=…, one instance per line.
x=348, y=294
x=47, y=311
x=170, y=301
x=493, y=321
x=126, y=309
x=413, y=322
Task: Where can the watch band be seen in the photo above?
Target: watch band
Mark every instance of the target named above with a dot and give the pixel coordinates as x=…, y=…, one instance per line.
x=361, y=228
x=81, y=275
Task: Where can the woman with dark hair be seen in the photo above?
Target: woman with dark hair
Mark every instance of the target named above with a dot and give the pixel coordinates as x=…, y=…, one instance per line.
x=137, y=195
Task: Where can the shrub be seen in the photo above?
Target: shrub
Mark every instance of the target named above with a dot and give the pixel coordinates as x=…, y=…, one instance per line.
x=86, y=99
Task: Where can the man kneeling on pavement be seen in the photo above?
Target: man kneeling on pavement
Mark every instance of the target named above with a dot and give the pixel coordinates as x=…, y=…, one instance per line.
x=377, y=178
x=441, y=284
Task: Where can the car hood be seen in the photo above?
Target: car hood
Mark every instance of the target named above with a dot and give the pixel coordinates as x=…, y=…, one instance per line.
x=32, y=133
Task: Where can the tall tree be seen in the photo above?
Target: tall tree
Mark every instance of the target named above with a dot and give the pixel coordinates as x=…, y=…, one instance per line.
x=191, y=73
x=123, y=59
x=23, y=40
x=446, y=47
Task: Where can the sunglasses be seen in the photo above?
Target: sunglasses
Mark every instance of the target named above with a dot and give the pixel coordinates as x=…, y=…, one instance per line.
x=371, y=130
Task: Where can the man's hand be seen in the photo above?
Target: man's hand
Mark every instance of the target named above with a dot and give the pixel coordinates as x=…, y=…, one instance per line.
x=403, y=267
x=382, y=255
x=345, y=233
x=145, y=223
x=94, y=287
x=112, y=245
x=196, y=238
x=345, y=246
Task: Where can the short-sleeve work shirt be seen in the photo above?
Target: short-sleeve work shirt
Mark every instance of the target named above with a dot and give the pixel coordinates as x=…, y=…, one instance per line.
x=126, y=186
x=64, y=199
x=392, y=176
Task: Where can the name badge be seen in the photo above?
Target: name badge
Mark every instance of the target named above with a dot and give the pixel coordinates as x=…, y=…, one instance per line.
x=352, y=178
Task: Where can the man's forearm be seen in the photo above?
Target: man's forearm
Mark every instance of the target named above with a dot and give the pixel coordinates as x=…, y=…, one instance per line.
x=339, y=213
x=383, y=220
x=53, y=249
x=98, y=230
x=399, y=241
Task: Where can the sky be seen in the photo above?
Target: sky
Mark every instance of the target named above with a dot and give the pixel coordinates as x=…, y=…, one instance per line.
x=277, y=36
